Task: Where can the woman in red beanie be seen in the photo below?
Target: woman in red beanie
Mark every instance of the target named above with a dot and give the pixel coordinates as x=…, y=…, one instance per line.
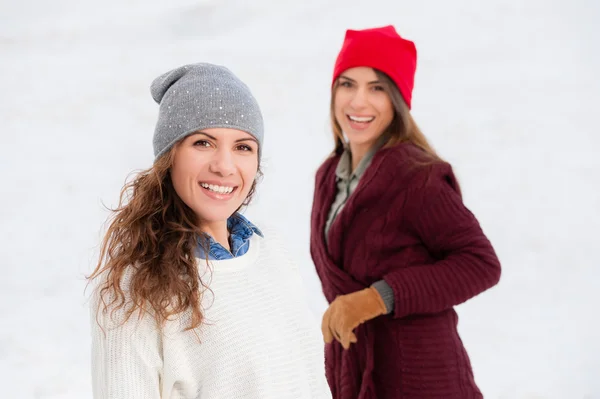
x=393, y=244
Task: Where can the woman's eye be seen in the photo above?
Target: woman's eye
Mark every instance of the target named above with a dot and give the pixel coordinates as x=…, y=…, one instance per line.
x=378, y=88
x=345, y=83
x=201, y=143
x=244, y=147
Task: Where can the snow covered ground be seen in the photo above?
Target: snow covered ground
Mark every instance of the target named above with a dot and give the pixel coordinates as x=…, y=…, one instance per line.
x=505, y=91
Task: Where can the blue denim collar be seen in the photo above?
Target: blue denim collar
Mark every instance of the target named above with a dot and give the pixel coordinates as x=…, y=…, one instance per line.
x=240, y=230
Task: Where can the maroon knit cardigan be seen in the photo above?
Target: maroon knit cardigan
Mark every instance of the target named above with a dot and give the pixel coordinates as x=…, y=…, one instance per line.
x=405, y=223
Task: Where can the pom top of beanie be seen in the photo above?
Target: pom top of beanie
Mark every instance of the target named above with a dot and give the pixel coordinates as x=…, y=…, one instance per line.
x=200, y=96
x=381, y=48
x=163, y=83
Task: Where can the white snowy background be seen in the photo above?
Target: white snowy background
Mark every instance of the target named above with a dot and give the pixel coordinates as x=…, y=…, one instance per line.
x=505, y=90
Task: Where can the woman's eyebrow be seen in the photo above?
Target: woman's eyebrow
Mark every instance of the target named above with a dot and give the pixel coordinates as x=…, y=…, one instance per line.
x=246, y=139
x=206, y=134
x=354, y=81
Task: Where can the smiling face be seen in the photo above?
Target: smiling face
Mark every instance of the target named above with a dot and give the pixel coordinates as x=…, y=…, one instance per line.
x=213, y=171
x=362, y=107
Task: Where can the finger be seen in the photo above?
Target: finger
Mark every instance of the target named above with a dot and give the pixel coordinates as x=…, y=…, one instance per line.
x=327, y=336
x=336, y=326
x=336, y=335
x=345, y=341
x=347, y=337
x=345, y=344
x=353, y=338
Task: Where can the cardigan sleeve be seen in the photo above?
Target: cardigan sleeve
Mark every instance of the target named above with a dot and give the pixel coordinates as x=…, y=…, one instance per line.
x=466, y=261
x=126, y=355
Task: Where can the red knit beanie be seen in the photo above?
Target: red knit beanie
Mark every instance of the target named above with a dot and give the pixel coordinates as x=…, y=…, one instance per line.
x=382, y=49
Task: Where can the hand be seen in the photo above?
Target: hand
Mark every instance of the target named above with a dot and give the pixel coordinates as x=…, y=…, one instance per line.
x=347, y=312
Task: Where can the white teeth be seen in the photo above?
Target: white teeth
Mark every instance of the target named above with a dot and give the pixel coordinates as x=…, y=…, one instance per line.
x=217, y=189
x=361, y=118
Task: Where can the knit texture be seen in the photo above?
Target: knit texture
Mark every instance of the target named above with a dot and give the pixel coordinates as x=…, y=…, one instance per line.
x=200, y=96
x=383, y=49
x=258, y=341
x=387, y=294
x=405, y=224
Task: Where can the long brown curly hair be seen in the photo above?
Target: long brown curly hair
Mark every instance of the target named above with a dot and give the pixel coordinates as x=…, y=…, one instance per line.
x=151, y=238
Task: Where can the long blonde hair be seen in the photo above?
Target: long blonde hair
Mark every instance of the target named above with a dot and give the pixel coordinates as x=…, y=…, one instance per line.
x=153, y=232
x=403, y=127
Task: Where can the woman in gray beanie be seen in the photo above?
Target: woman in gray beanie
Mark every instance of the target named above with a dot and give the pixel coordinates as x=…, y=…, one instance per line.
x=191, y=299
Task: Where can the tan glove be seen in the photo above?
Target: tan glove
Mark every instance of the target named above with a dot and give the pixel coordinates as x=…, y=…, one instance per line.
x=347, y=312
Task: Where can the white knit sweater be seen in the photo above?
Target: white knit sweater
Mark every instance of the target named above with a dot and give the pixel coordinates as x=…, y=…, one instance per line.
x=259, y=339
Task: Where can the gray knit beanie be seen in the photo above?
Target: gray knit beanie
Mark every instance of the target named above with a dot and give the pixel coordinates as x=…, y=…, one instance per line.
x=200, y=96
